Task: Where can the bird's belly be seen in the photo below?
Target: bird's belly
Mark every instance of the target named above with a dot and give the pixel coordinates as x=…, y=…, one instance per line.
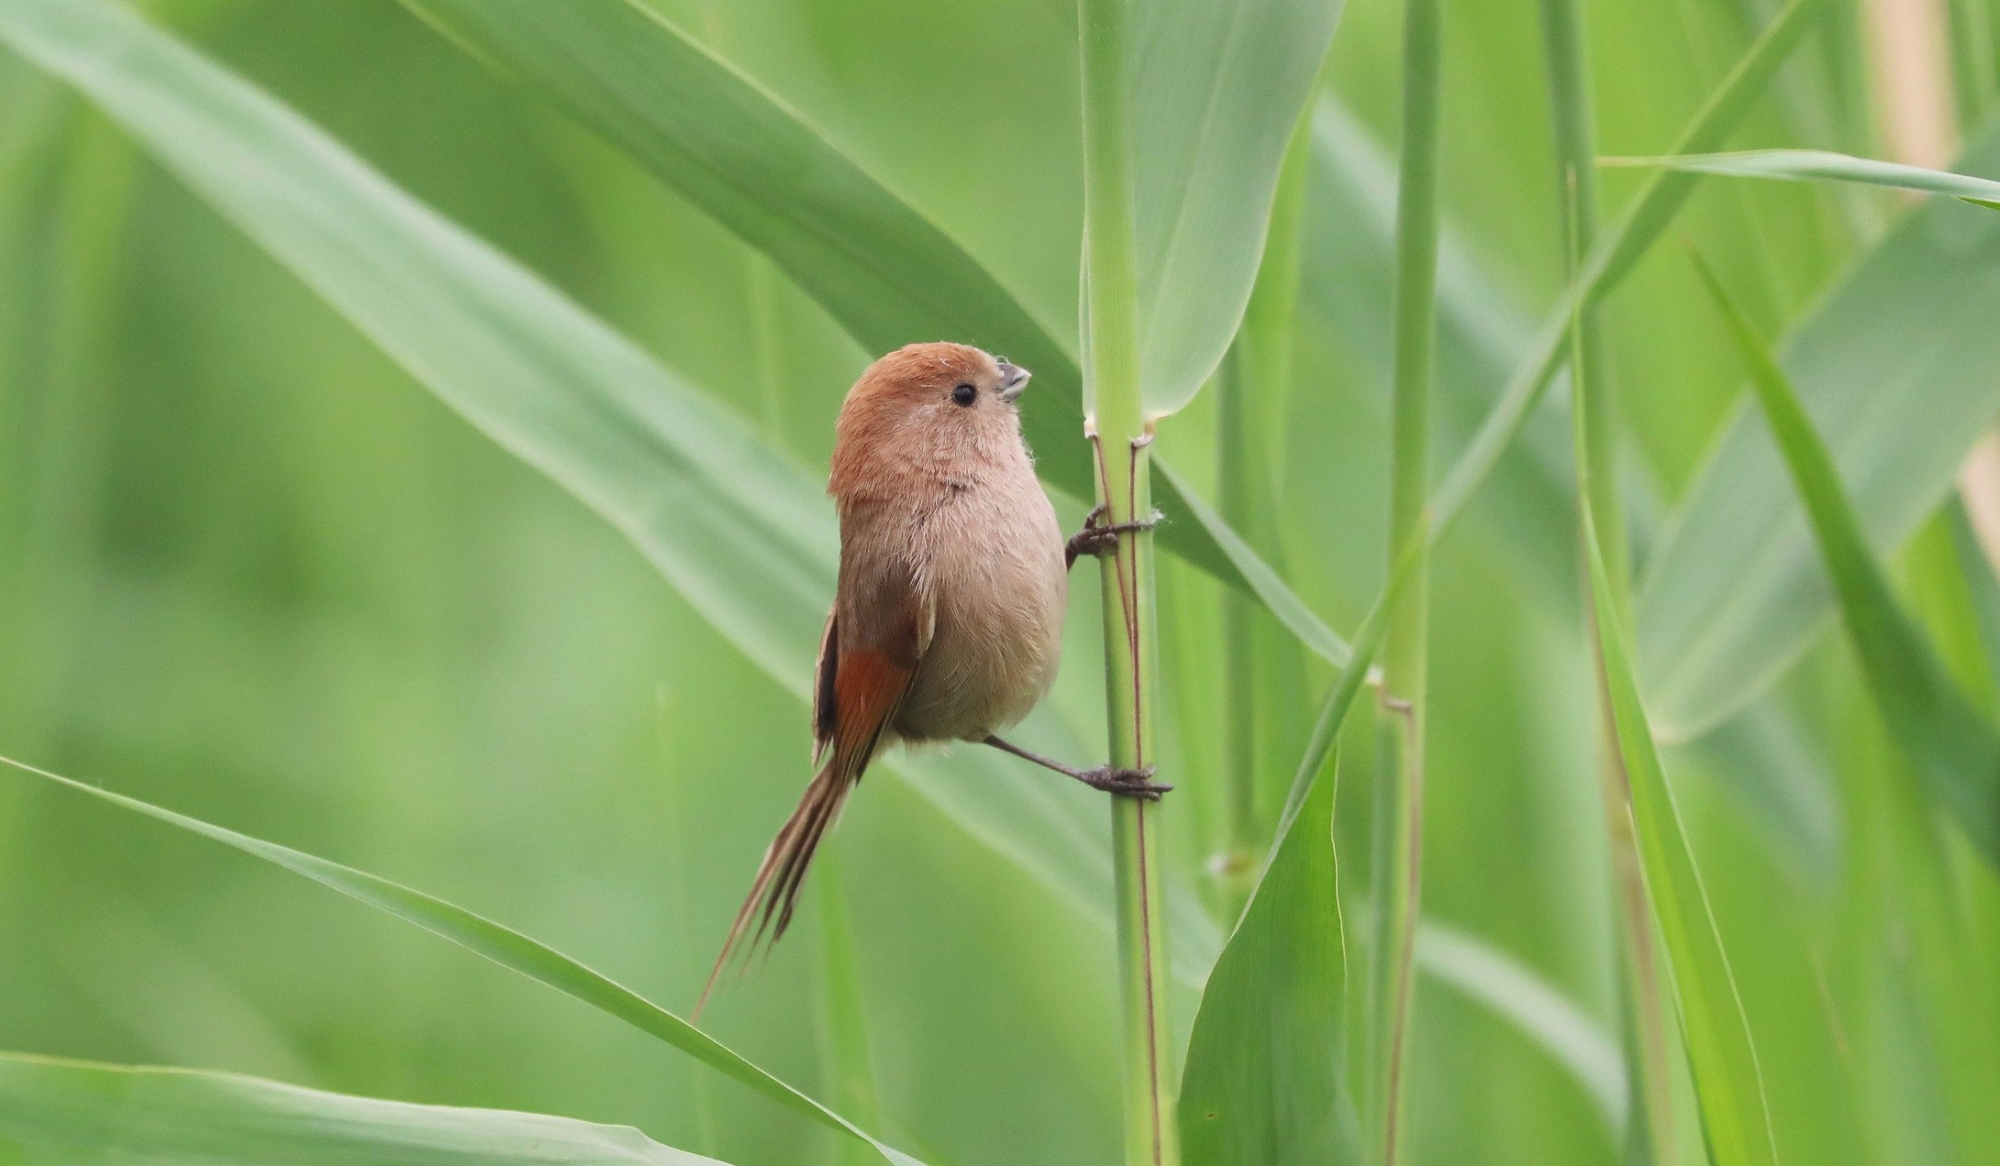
x=1000, y=600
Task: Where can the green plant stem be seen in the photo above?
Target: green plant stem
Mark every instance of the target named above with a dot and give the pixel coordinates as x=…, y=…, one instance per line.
x=1122, y=435
x=1642, y=1006
x=1261, y=672
x=1399, y=798
x=1569, y=107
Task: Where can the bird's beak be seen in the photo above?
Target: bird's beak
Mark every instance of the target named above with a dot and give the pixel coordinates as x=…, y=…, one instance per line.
x=1013, y=379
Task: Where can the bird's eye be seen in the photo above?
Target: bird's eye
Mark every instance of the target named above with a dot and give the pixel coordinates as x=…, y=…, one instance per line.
x=965, y=394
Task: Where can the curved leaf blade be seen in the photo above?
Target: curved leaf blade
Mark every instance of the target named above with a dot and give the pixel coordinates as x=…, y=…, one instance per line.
x=1262, y=581
x=738, y=528
x=503, y=945
x=1217, y=90
x=1826, y=166
x=1953, y=746
x=1895, y=368
x=1722, y=1056
x=1263, y=1081
x=874, y=262
x=56, y=1111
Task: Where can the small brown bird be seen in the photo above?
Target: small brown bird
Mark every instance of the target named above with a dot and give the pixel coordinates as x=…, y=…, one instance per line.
x=954, y=576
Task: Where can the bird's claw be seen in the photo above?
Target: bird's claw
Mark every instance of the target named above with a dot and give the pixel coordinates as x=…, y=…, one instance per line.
x=1098, y=540
x=1129, y=783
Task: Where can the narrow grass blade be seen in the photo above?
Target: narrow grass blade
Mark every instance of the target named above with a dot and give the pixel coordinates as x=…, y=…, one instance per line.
x=1618, y=249
x=876, y=263
x=1722, y=1057
x=59, y=1112
x=1954, y=747
x=1253, y=411
x=1263, y=1080
x=1262, y=581
x=1972, y=59
x=1357, y=671
x=1571, y=125
x=504, y=946
x=1826, y=166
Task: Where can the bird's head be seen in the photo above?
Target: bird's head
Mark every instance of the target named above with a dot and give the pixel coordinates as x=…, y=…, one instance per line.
x=944, y=408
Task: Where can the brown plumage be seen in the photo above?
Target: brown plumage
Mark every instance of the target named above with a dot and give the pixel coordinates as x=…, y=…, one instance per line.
x=947, y=618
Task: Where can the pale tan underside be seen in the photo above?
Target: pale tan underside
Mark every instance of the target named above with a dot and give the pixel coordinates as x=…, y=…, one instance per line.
x=998, y=635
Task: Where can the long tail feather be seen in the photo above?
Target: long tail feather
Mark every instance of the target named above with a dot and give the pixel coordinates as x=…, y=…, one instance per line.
x=775, y=891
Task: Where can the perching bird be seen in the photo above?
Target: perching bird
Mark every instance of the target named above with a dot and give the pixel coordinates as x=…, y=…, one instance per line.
x=954, y=575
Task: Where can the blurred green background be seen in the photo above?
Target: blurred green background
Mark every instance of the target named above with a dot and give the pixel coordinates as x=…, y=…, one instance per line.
x=250, y=570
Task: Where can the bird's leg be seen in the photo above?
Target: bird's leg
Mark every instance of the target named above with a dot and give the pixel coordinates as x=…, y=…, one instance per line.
x=1131, y=783
x=1102, y=540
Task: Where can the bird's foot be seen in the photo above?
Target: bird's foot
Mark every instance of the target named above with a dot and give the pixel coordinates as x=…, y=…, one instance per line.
x=1100, y=538
x=1128, y=783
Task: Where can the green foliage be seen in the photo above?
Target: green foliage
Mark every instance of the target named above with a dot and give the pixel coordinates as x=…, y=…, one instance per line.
x=1614, y=253
x=1954, y=746
x=1721, y=1053
x=1826, y=166
x=1264, y=1080
x=64, y=1111
x=888, y=274
x=748, y=541
x=412, y=421
x=503, y=946
x=1887, y=342
x=1215, y=92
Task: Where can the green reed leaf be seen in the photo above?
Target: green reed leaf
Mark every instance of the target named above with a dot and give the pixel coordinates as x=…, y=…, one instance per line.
x=1825, y=166
x=1894, y=366
x=1263, y=1079
x=60, y=1112
x=504, y=946
x=1953, y=746
x=1722, y=1056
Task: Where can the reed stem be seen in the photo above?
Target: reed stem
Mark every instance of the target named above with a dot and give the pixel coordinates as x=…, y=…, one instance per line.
x=1401, y=702
x=1122, y=434
x=1642, y=1003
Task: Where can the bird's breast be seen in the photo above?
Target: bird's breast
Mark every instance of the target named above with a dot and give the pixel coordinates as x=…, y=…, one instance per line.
x=992, y=553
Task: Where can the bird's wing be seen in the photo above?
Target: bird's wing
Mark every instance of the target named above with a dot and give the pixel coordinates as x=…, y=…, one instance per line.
x=824, y=670
x=868, y=657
